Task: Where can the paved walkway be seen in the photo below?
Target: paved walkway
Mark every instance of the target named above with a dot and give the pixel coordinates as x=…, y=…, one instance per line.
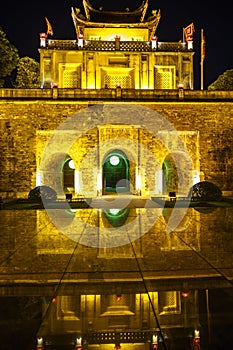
x=123, y=201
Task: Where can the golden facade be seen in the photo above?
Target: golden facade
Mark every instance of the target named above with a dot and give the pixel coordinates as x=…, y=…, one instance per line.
x=115, y=49
x=118, y=277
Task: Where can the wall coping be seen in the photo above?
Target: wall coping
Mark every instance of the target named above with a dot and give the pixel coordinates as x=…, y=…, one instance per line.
x=116, y=94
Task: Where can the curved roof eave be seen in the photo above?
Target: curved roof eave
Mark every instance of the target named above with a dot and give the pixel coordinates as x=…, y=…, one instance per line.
x=146, y=24
x=140, y=10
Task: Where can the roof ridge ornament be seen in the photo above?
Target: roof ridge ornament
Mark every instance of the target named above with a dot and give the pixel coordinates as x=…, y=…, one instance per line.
x=144, y=11
x=86, y=6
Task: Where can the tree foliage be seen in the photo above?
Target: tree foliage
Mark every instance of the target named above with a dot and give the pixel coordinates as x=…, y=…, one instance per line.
x=8, y=57
x=205, y=191
x=42, y=193
x=28, y=73
x=223, y=82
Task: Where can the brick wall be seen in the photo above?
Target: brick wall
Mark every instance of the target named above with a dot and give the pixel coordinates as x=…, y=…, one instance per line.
x=21, y=119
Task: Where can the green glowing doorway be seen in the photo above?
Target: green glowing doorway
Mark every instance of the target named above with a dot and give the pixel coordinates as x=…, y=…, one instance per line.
x=116, y=172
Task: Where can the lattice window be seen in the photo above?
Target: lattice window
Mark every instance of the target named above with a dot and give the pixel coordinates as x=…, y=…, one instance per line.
x=71, y=79
x=169, y=302
x=124, y=80
x=99, y=45
x=163, y=80
x=123, y=299
x=164, y=77
x=135, y=46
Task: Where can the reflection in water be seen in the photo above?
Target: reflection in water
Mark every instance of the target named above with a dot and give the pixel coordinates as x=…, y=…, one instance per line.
x=116, y=217
x=155, y=287
x=205, y=210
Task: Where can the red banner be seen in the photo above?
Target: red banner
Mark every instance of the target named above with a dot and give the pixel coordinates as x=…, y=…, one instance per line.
x=203, y=43
x=49, y=27
x=189, y=30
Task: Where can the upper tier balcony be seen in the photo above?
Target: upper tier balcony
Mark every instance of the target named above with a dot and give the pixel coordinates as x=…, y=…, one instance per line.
x=117, y=45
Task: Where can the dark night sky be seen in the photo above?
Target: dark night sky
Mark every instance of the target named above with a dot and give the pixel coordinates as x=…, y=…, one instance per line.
x=23, y=21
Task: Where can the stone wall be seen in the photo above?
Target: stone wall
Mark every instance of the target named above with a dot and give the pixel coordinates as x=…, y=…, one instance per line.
x=21, y=120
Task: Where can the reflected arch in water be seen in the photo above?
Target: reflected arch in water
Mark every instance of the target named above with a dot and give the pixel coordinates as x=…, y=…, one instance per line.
x=205, y=210
x=116, y=217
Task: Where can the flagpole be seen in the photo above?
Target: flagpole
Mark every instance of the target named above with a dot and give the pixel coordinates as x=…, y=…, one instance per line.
x=202, y=60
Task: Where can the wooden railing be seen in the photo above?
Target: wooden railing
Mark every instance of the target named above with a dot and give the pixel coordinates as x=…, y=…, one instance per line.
x=101, y=45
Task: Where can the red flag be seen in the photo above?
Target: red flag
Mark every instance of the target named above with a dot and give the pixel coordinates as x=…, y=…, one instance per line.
x=203, y=43
x=189, y=30
x=49, y=27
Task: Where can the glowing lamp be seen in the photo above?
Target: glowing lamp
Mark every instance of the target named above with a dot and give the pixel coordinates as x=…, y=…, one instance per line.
x=185, y=294
x=43, y=35
x=79, y=343
x=154, y=40
x=118, y=85
x=71, y=164
x=39, y=345
x=114, y=211
x=190, y=43
x=196, y=340
x=155, y=344
x=196, y=334
x=114, y=160
x=118, y=298
x=80, y=40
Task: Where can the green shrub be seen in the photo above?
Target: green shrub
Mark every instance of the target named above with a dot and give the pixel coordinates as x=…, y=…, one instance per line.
x=205, y=191
x=41, y=193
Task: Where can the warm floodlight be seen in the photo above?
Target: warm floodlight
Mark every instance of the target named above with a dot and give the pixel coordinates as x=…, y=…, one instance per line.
x=71, y=164
x=115, y=160
x=114, y=211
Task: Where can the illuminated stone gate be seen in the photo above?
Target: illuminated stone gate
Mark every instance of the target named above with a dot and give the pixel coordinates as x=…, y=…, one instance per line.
x=129, y=66
x=148, y=169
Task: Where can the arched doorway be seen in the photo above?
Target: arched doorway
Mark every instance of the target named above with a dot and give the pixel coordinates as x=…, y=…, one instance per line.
x=177, y=174
x=68, y=175
x=170, y=175
x=115, y=172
